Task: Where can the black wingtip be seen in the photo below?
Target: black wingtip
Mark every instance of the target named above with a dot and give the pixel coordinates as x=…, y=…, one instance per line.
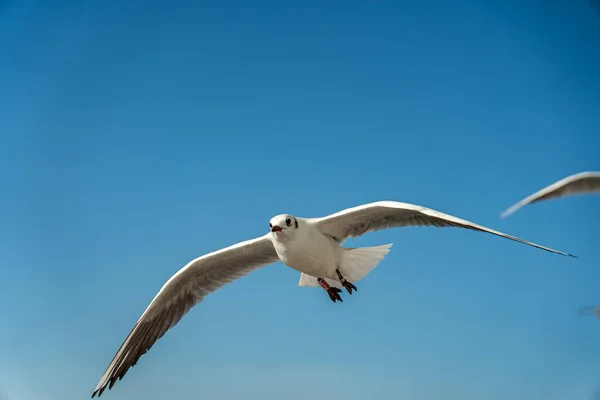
x=98, y=392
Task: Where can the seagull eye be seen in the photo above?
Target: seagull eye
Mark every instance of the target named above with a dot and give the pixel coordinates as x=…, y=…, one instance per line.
x=288, y=221
x=270, y=225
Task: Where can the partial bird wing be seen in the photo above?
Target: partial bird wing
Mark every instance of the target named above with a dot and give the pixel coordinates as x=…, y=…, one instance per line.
x=582, y=183
x=357, y=221
x=182, y=291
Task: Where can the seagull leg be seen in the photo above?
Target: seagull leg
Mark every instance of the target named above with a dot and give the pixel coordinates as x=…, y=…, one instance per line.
x=333, y=292
x=349, y=286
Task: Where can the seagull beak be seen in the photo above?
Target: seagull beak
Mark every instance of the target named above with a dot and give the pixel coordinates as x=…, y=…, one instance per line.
x=276, y=228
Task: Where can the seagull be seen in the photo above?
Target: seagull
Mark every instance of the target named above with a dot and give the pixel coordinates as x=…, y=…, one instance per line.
x=312, y=246
x=581, y=183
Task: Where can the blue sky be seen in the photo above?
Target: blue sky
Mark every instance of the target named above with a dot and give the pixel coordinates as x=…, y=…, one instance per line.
x=137, y=137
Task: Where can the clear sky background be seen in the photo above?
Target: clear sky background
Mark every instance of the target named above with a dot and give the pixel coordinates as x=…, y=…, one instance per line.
x=136, y=136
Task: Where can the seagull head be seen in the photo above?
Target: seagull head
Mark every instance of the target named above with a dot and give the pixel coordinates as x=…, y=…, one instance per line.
x=283, y=224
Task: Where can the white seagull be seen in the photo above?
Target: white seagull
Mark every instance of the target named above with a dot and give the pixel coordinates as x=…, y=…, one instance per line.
x=581, y=183
x=312, y=246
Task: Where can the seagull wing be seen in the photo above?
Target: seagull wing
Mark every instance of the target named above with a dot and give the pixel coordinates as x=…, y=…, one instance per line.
x=357, y=221
x=182, y=291
x=584, y=182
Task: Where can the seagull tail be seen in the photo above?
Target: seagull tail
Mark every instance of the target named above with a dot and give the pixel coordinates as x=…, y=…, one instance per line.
x=358, y=262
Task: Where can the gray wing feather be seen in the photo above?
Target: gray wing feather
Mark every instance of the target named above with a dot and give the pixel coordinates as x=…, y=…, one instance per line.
x=357, y=221
x=183, y=291
x=582, y=183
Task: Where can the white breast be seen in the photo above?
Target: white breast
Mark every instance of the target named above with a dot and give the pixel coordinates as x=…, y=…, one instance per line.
x=309, y=251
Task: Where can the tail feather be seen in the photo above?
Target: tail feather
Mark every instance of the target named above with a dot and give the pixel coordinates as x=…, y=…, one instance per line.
x=358, y=262
x=311, y=281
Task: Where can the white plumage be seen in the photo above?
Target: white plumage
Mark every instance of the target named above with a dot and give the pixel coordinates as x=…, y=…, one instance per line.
x=309, y=245
x=581, y=183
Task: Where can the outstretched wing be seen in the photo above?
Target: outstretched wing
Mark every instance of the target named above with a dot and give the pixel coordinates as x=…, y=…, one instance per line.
x=357, y=221
x=582, y=183
x=182, y=291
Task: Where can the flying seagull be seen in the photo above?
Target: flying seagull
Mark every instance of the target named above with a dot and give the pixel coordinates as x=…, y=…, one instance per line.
x=312, y=246
x=581, y=183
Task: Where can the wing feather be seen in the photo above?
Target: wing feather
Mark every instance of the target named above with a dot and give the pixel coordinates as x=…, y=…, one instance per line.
x=582, y=183
x=183, y=291
x=357, y=221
